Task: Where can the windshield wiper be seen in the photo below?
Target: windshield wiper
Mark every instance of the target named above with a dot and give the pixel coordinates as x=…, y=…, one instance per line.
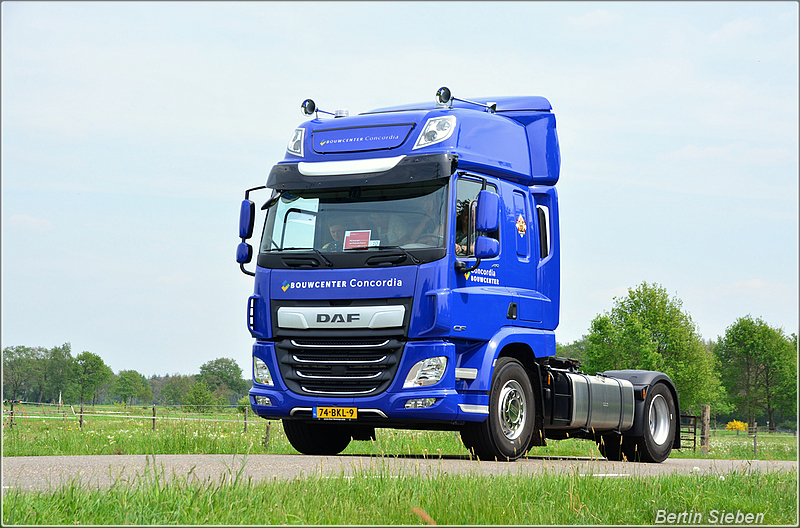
x=414, y=259
x=318, y=252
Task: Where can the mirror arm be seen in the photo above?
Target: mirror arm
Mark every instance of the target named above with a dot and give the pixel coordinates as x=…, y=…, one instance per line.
x=241, y=267
x=461, y=266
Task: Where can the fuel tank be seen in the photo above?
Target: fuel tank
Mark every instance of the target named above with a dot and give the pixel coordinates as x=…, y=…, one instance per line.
x=598, y=403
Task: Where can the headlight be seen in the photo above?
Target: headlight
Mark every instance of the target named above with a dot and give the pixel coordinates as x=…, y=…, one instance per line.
x=426, y=372
x=261, y=373
x=436, y=130
x=296, y=143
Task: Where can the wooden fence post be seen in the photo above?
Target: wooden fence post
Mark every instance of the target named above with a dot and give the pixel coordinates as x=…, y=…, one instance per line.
x=755, y=441
x=80, y=418
x=705, y=423
x=11, y=417
x=245, y=419
x=154, y=417
x=266, y=437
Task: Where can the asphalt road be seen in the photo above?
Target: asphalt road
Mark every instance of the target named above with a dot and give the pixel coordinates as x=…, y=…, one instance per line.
x=45, y=472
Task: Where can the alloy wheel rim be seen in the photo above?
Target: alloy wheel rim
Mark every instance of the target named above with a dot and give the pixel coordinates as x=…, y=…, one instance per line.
x=659, y=419
x=512, y=408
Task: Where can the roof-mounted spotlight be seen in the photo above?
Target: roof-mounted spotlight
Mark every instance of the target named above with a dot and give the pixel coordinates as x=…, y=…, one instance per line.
x=310, y=107
x=444, y=96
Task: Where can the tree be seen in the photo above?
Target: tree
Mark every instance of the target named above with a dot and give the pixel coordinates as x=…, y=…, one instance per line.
x=648, y=330
x=18, y=371
x=39, y=374
x=199, y=398
x=60, y=373
x=223, y=371
x=574, y=350
x=175, y=388
x=130, y=386
x=758, y=365
x=90, y=373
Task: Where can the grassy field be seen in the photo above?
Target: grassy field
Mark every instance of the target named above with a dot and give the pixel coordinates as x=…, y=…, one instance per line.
x=382, y=499
x=223, y=432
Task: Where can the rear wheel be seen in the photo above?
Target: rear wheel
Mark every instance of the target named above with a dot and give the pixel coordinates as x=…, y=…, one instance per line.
x=506, y=433
x=617, y=447
x=658, y=430
x=312, y=438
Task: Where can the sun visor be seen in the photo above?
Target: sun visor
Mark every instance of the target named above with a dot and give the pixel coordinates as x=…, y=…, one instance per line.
x=407, y=169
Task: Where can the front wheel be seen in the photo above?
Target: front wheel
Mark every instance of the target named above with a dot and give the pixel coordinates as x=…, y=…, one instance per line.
x=312, y=438
x=506, y=433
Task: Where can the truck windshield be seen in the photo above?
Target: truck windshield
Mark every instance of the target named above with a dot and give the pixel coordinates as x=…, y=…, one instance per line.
x=355, y=219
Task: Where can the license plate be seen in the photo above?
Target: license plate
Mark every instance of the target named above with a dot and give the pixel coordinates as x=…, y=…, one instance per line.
x=335, y=413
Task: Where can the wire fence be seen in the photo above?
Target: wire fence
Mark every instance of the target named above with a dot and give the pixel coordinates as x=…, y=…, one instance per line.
x=22, y=410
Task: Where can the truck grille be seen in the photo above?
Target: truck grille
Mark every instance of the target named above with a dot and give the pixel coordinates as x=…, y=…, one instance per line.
x=333, y=368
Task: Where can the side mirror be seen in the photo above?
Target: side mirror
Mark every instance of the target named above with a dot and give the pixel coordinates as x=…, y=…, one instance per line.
x=488, y=211
x=244, y=253
x=247, y=218
x=486, y=247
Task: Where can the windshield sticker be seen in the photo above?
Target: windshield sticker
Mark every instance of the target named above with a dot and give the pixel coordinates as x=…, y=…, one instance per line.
x=521, y=227
x=356, y=239
x=484, y=276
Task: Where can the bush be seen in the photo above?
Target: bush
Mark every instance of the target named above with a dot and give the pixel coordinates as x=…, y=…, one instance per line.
x=242, y=404
x=736, y=425
x=199, y=398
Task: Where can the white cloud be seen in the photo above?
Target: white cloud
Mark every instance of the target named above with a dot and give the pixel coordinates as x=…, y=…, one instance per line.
x=739, y=152
x=752, y=288
x=739, y=28
x=30, y=223
x=599, y=19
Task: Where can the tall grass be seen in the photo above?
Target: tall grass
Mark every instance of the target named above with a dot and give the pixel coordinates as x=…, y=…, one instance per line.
x=379, y=497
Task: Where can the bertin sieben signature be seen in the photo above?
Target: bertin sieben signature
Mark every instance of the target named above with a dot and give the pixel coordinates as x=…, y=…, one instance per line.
x=714, y=517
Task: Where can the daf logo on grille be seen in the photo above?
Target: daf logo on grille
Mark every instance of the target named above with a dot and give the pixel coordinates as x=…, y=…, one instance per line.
x=337, y=318
x=312, y=317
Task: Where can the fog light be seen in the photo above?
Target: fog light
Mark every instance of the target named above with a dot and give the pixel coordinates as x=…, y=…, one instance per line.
x=426, y=372
x=263, y=400
x=261, y=373
x=420, y=403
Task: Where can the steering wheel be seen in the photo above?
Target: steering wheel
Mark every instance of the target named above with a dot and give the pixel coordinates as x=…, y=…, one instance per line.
x=439, y=239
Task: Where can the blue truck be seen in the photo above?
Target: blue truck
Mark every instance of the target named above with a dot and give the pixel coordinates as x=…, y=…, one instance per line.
x=408, y=276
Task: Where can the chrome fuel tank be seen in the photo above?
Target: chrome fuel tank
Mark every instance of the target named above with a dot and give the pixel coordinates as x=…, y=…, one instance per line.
x=600, y=403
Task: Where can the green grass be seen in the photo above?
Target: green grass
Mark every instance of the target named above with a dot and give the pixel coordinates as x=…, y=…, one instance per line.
x=379, y=497
x=223, y=433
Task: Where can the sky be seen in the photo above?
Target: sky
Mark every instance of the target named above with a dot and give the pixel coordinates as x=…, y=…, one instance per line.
x=130, y=131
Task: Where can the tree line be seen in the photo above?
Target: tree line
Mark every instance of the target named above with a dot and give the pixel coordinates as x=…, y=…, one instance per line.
x=42, y=375
x=749, y=372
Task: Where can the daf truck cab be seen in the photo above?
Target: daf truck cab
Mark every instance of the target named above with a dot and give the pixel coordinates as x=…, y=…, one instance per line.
x=408, y=276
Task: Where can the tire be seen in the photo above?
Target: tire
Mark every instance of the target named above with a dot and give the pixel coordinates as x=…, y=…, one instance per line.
x=660, y=423
x=506, y=434
x=618, y=448
x=316, y=438
x=610, y=446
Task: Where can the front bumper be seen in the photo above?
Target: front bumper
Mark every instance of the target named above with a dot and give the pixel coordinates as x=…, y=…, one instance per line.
x=454, y=404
